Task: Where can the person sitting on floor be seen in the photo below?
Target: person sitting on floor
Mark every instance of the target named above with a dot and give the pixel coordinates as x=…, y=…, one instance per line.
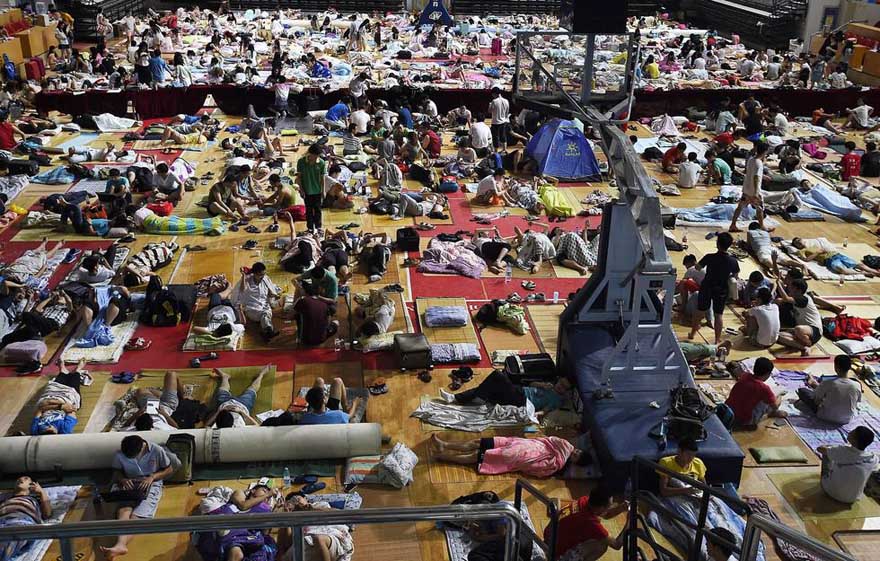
x=685, y=462
x=139, y=465
x=837, y=399
x=535, y=457
x=60, y=400
x=807, y=323
x=325, y=280
x=689, y=172
x=762, y=320
x=328, y=408
x=492, y=190
x=313, y=314
x=27, y=505
x=580, y=534
x=223, y=202
x=751, y=398
x=235, y=411
x=156, y=406
x=255, y=295
x=166, y=185
x=673, y=157
x=846, y=469
x=498, y=389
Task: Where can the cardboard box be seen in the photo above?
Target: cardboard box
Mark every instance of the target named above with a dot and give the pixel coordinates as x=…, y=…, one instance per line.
x=49, y=39
x=12, y=49
x=32, y=43
x=871, y=63
x=858, y=56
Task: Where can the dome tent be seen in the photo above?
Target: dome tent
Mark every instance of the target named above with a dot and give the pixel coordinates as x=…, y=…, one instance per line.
x=563, y=151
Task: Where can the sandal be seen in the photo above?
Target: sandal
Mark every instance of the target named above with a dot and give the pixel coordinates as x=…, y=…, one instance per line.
x=234, y=228
x=514, y=298
x=378, y=387
x=127, y=238
x=252, y=229
x=465, y=374
x=411, y=262
x=272, y=228
x=529, y=285
x=195, y=248
x=425, y=226
x=425, y=376
x=124, y=377
x=455, y=384
x=210, y=356
x=250, y=244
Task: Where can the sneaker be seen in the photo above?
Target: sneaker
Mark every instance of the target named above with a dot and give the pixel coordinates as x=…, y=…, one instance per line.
x=446, y=396
x=72, y=254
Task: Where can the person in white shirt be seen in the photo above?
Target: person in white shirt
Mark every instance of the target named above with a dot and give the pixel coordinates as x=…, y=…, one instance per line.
x=499, y=110
x=838, y=79
x=859, y=116
x=254, y=296
x=762, y=321
x=161, y=417
x=481, y=137
x=361, y=121
x=773, y=69
x=808, y=323
x=357, y=87
x=835, y=400
x=429, y=108
x=751, y=191
x=689, y=172
x=235, y=411
x=846, y=469
x=780, y=122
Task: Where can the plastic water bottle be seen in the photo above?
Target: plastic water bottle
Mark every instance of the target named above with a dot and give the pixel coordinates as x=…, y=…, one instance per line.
x=508, y=274
x=555, y=296
x=684, y=237
x=845, y=242
x=286, y=476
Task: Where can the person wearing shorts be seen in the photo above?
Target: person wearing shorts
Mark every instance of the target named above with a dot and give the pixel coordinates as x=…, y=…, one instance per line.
x=375, y=251
x=235, y=411
x=139, y=465
x=751, y=191
x=807, y=328
x=116, y=310
x=492, y=250
x=169, y=400
x=328, y=408
x=720, y=268
x=337, y=257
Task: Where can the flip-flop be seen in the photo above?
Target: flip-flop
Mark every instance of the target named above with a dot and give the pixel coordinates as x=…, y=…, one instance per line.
x=252, y=229
x=425, y=376
x=195, y=248
x=272, y=228
x=124, y=377
x=85, y=379
x=312, y=488
x=71, y=256
x=250, y=244
x=138, y=344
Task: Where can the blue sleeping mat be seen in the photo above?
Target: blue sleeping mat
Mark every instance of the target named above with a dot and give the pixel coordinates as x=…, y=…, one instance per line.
x=620, y=426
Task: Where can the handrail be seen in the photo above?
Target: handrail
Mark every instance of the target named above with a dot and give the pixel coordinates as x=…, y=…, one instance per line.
x=758, y=523
x=699, y=528
x=65, y=532
x=552, y=514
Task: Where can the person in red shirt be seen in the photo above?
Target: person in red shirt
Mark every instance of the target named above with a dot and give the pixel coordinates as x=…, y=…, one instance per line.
x=8, y=132
x=751, y=398
x=851, y=163
x=581, y=535
x=430, y=141
x=674, y=156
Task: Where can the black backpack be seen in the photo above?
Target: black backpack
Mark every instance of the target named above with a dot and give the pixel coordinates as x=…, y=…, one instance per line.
x=161, y=307
x=687, y=413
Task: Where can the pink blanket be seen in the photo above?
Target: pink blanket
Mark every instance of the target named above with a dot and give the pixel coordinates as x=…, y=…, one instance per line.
x=538, y=457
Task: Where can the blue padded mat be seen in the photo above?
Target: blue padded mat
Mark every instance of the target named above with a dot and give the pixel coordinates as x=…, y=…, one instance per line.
x=620, y=426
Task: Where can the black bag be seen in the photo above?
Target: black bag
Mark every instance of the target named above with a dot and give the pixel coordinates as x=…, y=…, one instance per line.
x=526, y=369
x=189, y=413
x=420, y=174
x=183, y=446
x=23, y=167
x=380, y=206
x=407, y=239
x=652, y=153
x=687, y=413
x=117, y=495
x=872, y=261
x=161, y=307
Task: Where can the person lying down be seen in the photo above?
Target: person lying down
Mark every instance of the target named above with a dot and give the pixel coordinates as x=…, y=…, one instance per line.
x=58, y=404
x=536, y=457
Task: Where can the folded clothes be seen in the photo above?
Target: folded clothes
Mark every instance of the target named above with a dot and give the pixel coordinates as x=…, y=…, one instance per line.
x=446, y=316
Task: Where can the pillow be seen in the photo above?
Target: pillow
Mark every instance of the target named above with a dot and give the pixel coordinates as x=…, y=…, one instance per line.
x=362, y=469
x=380, y=342
x=853, y=347
x=778, y=454
x=25, y=351
x=446, y=316
x=396, y=468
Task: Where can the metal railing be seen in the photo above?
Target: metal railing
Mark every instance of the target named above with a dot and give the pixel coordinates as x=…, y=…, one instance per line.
x=552, y=514
x=64, y=533
x=756, y=524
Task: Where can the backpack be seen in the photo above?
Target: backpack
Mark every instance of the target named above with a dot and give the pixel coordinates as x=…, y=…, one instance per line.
x=687, y=413
x=183, y=446
x=161, y=307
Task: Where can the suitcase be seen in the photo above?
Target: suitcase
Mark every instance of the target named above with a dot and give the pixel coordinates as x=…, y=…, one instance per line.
x=525, y=369
x=23, y=167
x=407, y=239
x=412, y=350
x=32, y=70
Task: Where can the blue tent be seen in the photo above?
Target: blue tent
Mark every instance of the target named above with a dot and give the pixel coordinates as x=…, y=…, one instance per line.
x=435, y=12
x=562, y=151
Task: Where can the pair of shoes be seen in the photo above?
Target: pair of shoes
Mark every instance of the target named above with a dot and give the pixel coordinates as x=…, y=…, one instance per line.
x=464, y=374
x=138, y=344
x=425, y=226
x=250, y=244
x=234, y=228
x=529, y=285
x=127, y=238
x=71, y=256
x=378, y=387
x=195, y=248
x=425, y=376
x=124, y=377
x=539, y=297
x=348, y=226
x=514, y=298
x=393, y=288
x=270, y=334
x=411, y=262
x=252, y=229
x=272, y=228
x=29, y=367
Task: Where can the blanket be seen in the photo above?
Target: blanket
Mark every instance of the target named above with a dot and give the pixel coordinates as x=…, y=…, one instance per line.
x=819, y=272
x=62, y=498
x=474, y=418
x=446, y=316
x=554, y=201
x=719, y=515
x=717, y=215
x=455, y=352
x=351, y=394
x=12, y=186
x=154, y=224
x=41, y=281
x=460, y=543
x=814, y=431
x=59, y=392
x=209, y=342
x=54, y=176
x=107, y=122
x=452, y=258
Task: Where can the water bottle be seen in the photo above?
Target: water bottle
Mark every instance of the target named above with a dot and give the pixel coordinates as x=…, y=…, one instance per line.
x=286, y=476
x=508, y=274
x=845, y=242
x=684, y=237
x=555, y=296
